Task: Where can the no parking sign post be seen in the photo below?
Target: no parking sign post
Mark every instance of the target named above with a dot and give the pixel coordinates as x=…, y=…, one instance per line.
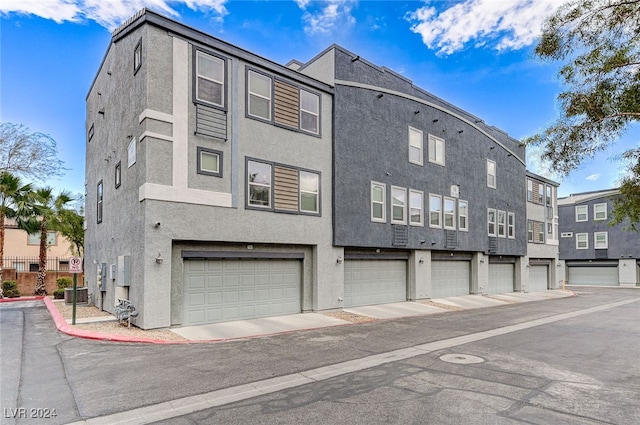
x=75, y=267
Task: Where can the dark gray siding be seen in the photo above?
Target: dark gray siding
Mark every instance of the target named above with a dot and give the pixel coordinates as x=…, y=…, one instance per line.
x=371, y=144
x=622, y=243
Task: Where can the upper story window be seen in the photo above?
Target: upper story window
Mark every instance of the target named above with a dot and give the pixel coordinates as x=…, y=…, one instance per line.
x=209, y=162
x=259, y=179
x=600, y=240
x=582, y=241
x=435, y=211
x=535, y=231
x=137, y=57
x=463, y=215
x=549, y=196
x=436, y=150
x=491, y=222
x=118, y=174
x=259, y=95
x=511, y=225
x=529, y=190
x=131, y=153
x=415, y=146
x=582, y=213
x=398, y=205
x=502, y=224
x=449, y=213
x=416, y=202
x=34, y=239
x=209, y=87
x=600, y=211
x=378, y=200
x=99, y=201
x=309, y=192
x=491, y=173
x=309, y=112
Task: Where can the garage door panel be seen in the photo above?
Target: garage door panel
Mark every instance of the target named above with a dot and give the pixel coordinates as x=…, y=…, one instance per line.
x=450, y=278
x=501, y=278
x=599, y=276
x=538, y=278
x=240, y=289
x=370, y=282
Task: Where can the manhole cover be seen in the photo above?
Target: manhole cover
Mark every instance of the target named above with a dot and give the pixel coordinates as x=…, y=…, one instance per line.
x=461, y=358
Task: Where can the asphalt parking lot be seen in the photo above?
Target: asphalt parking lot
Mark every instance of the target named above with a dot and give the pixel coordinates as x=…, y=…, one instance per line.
x=570, y=360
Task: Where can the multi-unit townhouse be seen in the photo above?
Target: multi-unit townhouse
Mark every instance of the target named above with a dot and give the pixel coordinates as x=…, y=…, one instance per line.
x=21, y=250
x=223, y=186
x=428, y=199
x=596, y=253
x=545, y=270
x=208, y=180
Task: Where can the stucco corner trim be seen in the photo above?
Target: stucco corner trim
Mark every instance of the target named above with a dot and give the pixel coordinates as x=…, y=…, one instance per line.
x=156, y=136
x=160, y=192
x=155, y=115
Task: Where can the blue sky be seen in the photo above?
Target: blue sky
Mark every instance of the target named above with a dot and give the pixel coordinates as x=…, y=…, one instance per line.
x=476, y=54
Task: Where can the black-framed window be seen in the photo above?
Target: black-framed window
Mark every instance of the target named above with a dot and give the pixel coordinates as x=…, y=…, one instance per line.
x=90, y=133
x=99, y=201
x=209, y=86
x=137, y=57
x=209, y=162
x=259, y=92
x=118, y=174
x=259, y=181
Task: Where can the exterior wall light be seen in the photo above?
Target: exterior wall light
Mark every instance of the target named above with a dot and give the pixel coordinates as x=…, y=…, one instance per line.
x=159, y=259
x=339, y=259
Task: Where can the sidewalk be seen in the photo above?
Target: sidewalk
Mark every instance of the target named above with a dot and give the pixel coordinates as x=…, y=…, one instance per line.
x=304, y=321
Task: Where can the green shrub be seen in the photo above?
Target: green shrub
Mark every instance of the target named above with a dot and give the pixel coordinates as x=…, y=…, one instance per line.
x=10, y=289
x=64, y=282
x=58, y=294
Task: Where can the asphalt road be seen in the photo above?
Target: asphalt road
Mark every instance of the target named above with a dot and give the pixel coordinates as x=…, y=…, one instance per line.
x=566, y=361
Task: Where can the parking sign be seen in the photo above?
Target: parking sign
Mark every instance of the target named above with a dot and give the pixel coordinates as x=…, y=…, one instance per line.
x=75, y=265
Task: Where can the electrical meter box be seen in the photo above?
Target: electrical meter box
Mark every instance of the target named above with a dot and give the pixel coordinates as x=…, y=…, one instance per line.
x=124, y=270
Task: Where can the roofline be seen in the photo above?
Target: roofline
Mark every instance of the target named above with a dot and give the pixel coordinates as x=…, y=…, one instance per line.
x=587, y=196
x=544, y=179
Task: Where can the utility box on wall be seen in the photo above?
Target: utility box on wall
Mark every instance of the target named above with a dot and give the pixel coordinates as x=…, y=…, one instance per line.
x=124, y=270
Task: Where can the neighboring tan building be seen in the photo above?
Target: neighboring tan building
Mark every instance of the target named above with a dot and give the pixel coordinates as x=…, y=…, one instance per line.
x=596, y=253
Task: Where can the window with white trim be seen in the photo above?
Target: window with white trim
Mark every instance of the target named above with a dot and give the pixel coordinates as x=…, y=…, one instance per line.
x=582, y=213
x=436, y=150
x=491, y=173
x=600, y=211
x=131, y=153
x=502, y=224
x=416, y=208
x=398, y=205
x=259, y=184
x=511, y=225
x=378, y=199
x=435, y=211
x=99, y=201
x=449, y=211
x=137, y=57
x=600, y=240
x=582, y=241
x=209, y=162
x=259, y=95
x=209, y=79
x=491, y=222
x=309, y=112
x=309, y=192
x=415, y=146
x=463, y=215
x=530, y=231
x=529, y=190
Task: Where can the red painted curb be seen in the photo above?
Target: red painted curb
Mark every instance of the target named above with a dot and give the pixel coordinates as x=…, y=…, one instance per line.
x=12, y=300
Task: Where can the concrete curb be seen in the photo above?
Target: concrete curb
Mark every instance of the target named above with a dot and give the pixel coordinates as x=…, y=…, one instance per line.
x=11, y=300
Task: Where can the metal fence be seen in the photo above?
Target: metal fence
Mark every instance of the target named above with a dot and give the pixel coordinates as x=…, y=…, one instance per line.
x=30, y=264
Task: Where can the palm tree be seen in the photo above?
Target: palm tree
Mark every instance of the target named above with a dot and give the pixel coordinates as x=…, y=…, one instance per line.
x=45, y=215
x=14, y=203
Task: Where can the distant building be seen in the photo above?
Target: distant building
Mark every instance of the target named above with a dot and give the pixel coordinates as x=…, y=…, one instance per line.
x=596, y=253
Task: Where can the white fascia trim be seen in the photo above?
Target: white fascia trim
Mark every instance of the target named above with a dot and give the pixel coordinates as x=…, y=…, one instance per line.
x=155, y=136
x=433, y=105
x=155, y=115
x=159, y=192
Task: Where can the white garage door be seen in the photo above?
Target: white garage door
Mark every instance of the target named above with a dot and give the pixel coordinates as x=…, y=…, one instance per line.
x=538, y=278
x=600, y=276
x=450, y=278
x=370, y=282
x=224, y=290
x=501, y=278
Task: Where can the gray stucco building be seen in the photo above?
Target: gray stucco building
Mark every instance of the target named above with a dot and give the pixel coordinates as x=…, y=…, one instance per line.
x=223, y=186
x=594, y=252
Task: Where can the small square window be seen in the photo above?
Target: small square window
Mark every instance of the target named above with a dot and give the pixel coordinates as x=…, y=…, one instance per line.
x=209, y=162
x=118, y=174
x=137, y=57
x=582, y=241
x=600, y=240
x=436, y=150
x=491, y=174
x=600, y=211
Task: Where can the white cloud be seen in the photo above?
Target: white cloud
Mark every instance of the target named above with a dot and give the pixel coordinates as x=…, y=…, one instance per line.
x=592, y=177
x=502, y=24
x=323, y=17
x=108, y=13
